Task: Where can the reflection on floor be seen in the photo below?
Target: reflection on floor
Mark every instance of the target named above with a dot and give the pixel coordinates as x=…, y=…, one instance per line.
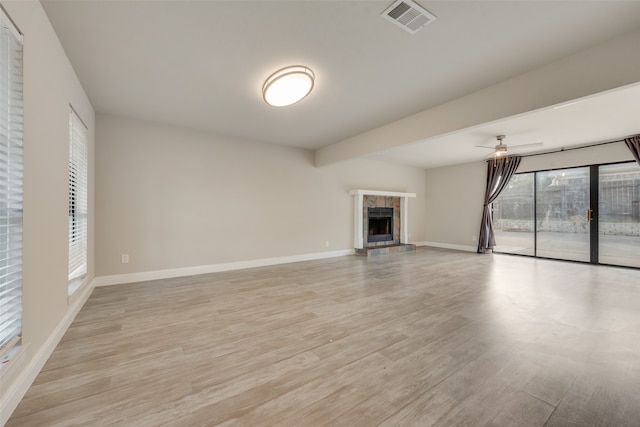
x=614, y=250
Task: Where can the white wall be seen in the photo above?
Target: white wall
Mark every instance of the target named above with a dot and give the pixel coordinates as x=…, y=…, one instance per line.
x=173, y=198
x=599, y=154
x=50, y=85
x=454, y=194
x=454, y=197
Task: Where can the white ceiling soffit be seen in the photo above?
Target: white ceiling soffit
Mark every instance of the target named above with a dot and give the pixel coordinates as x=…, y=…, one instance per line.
x=408, y=15
x=594, y=119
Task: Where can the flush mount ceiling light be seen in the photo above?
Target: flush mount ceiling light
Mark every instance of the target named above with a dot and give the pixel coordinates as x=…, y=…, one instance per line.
x=288, y=85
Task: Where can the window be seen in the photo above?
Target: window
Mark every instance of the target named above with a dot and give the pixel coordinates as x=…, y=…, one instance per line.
x=77, y=199
x=10, y=186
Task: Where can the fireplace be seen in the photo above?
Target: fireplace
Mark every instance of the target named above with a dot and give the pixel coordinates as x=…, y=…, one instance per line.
x=380, y=220
x=380, y=227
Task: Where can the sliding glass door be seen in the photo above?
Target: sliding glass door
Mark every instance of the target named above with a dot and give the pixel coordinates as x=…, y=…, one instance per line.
x=562, y=219
x=588, y=214
x=514, y=216
x=619, y=219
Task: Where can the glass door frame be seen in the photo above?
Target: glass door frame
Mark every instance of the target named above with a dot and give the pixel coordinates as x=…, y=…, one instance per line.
x=594, y=213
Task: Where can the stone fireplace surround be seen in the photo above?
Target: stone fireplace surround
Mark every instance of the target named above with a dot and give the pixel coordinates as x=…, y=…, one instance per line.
x=364, y=199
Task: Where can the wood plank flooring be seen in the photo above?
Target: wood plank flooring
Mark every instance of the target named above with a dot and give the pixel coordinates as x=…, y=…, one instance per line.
x=431, y=338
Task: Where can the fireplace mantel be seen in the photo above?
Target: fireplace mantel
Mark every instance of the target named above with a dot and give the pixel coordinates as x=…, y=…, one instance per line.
x=358, y=196
x=380, y=193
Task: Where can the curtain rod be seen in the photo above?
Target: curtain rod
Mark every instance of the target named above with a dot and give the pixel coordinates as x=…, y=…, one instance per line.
x=572, y=148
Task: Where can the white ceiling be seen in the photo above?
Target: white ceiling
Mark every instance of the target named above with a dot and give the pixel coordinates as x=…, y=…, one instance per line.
x=202, y=64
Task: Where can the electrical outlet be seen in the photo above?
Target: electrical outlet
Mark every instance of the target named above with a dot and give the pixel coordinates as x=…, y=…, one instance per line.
x=326, y=244
x=124, y=258
x=473, y=238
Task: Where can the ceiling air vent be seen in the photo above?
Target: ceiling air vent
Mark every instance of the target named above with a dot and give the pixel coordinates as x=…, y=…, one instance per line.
x=408, y=15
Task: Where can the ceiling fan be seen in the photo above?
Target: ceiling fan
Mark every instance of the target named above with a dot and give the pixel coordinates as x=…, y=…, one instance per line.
x=500, y=150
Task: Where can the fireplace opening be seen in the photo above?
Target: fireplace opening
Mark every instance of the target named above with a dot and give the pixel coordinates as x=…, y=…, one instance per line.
x=380, y=225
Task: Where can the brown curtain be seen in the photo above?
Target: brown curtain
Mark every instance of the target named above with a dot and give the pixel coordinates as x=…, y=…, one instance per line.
x=633, y=142
x=499, y=173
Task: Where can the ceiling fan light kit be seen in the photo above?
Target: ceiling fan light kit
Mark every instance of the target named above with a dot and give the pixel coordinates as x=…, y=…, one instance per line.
x=501, y=151
x=501, y=148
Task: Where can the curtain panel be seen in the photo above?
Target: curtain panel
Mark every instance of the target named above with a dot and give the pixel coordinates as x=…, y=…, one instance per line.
x=633, y=142
x=499, y=173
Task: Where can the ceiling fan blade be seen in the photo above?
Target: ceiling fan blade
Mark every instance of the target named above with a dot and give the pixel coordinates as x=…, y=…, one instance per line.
x=517, y=147
x=484, y=146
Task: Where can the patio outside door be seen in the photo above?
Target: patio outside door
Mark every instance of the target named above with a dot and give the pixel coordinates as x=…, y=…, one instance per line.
x=619, y=218
x=563, y=226
x=587, y=214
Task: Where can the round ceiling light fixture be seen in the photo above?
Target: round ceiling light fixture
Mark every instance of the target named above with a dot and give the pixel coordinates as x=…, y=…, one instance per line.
x=288, y=85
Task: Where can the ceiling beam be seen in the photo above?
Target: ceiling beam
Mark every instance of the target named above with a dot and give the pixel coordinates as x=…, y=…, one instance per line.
x=604, y=67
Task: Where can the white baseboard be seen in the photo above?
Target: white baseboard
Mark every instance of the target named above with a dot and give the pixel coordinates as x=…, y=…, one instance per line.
x=20, y=386
x=143, y=276
x=449, y=246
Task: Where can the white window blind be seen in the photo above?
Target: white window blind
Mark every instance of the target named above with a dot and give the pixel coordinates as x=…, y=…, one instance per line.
x=77, y=197
x=10, y=185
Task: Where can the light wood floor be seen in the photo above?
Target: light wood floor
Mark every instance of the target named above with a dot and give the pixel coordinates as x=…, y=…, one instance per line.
x=432, y=338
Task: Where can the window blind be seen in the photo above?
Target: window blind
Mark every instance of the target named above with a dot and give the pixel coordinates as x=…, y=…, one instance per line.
x=77, y=197
x=10, y=185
